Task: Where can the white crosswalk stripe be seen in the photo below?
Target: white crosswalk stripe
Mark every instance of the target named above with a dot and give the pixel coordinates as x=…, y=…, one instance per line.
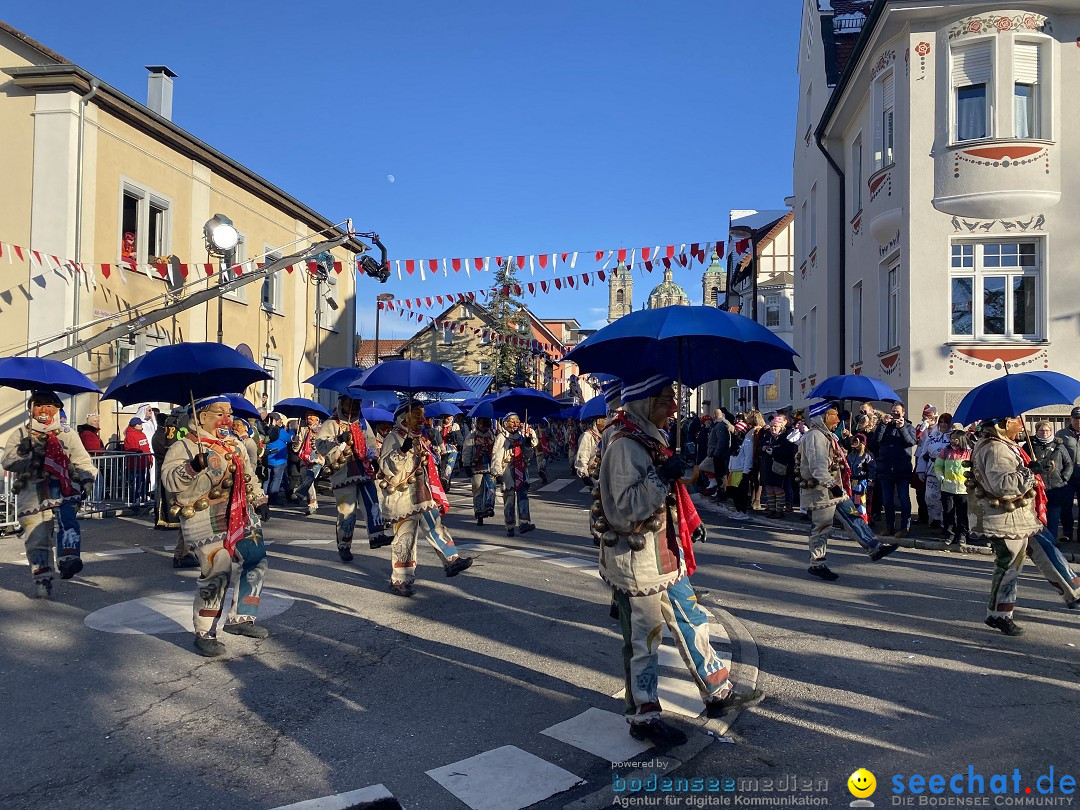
x=505, y=778
x=556, y=485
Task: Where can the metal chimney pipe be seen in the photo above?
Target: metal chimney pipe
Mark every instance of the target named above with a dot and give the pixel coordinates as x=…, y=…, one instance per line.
x=159, y=90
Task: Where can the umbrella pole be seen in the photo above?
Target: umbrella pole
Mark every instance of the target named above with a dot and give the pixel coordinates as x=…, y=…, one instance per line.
x=195, y=418
x=678, y=414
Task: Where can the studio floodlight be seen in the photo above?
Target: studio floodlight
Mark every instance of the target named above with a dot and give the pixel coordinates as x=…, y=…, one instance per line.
x=220, y=235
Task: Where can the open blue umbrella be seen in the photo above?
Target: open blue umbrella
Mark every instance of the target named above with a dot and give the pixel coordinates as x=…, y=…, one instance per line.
x=524, y=401
x=298, y=408
x=379, y=399
x=242, y=407
x=483, y=410
x=377, y=414
x=441, y=409
x=1015, y=394
x=410, y=377
x=182, y=372
x=854, y=387
x=593, y=409
x=30, y=373
x=694, y=345
x=336, y=379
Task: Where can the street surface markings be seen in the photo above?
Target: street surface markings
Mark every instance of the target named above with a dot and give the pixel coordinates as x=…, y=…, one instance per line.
x=586, y=491
x=571, y=562
x=528, y=552
x=556, y=485
x=466, y=546
x=601, y=733
x=112, y=552
x=505, y=778
x=345, y=801
x=168, y=613
x=312, y=541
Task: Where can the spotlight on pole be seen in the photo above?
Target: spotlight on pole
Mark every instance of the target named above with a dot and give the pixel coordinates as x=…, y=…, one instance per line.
x=220, y=235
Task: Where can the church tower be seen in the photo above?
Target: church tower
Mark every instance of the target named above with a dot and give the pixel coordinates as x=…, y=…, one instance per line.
x=620, y=293
x=714, y=284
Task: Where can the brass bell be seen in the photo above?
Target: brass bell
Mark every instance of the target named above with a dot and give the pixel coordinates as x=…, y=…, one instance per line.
x=654, y=524
x=174, y=510
x=610, y=539
x=966, y=462
x=226, y=482
x=215, y=494
x=993, y=503
x=979, y=492
x=595, y=492
x=187, y=512
x=1029, y=495
x=596, y=510
x=1009, y=506
x=600, y=525
x=201, y=504
x=636, y=541
x=231, y=468
x=247, y=477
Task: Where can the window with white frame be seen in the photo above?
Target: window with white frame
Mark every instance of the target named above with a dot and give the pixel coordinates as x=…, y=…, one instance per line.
x=856, y=175
x=145, y=220
x=995, y=290
x=802, y=231
x=811, y=346
x=448, y=334
x=1026, y=85
x=890, y=320
x=272, y=364
x=272, y=285
x=856, y=323
x=772, y=310
x=884, y=112
x=811, y=240
x=240, y=256
x=972, y=76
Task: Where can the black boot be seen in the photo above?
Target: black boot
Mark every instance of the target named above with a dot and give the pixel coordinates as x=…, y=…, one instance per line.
x=734, y=702
x=70, y=566
x=380, y=540
x=824, y=572
x=345, y=552
x=189, y=560
x=457, y=566
x=658, y=733
x=1005, y=624
x=209, y=647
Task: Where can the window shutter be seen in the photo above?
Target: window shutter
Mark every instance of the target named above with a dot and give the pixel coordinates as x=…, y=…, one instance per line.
x=972, y=64
x=1026, y=63
x=887, y=96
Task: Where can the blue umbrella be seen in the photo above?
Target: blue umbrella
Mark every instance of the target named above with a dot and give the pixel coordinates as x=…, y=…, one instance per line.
x=30, y=373
x=526, y=401
x=377, y=415
x=466, y=404
x=410, y=377
x=854, y=387
x=298, y=408
x=377, y=399
x=182, y=372
x=1015, y=394
x=482, y=410
x=441, y=409
x=242, y=407
x=335, y=379
x=694, y=345
x=593, y=409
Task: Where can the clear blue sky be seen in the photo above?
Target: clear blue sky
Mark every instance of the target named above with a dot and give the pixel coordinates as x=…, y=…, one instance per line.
x=508, y=127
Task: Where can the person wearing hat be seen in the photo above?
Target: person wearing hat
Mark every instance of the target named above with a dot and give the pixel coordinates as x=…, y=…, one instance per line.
x=53, y=472
x=1070, y=437
x=1057, y=466
x=310, y=461
x=140, y=458
x=863, y=468
x=587, y=460
x=825, y=481
x=648, y=523
x=413, y=499
x=1007, y=502
x=950, y=468
x=212, y=486
x=349, y=450
x=510, y=464
x=476, y=458
x=894, y=438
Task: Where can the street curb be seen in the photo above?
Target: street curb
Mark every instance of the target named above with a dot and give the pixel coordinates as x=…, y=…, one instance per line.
x=917, y=543
x=744, y=673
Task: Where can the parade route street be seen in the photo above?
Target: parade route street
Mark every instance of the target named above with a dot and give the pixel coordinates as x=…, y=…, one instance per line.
x=496, y=688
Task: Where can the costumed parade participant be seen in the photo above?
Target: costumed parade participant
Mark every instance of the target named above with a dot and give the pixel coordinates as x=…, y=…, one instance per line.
x=825, y=482
x=510, y=463
x=214, y=491
x=343, y=442
x=587, y=460
x=1007, y=503
x=476, y=458
x=53, y=473
x=648, y=524
x=413, y=499
x=309, y=460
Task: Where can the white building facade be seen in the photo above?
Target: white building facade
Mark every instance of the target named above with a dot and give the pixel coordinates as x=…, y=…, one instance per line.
x=937, y=249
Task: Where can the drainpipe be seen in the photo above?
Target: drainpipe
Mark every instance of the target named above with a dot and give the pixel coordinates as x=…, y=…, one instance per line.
x=83, y=101
x=842, y=252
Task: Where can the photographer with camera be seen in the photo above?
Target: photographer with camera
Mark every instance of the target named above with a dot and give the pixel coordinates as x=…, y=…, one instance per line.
x=895, y=436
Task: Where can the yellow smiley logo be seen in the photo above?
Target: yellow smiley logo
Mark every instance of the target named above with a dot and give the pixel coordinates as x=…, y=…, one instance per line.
x=862, y=784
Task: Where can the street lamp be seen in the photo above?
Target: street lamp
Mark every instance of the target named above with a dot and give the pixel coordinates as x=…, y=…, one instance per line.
x=739, y=233
x=221, y=240
x=381, y=298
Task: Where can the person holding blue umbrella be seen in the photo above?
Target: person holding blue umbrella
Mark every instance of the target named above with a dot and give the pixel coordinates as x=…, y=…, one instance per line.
x=310, y=460
x=510, y=463
x=219, y=502
x=349, y=451
x=53, y=473
x=476, y=457
x=414, y=500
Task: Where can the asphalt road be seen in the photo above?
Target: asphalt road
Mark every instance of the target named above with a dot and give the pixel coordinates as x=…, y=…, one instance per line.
x=890, y=668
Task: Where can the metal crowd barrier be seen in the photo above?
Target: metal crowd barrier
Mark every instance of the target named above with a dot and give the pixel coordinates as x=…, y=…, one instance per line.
x=120, y=483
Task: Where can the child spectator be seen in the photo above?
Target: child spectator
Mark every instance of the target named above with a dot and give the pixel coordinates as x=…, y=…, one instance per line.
x=863, y=472
x=949, y=467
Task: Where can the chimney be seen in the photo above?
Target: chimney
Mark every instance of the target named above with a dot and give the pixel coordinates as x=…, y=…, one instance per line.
x=159, y=90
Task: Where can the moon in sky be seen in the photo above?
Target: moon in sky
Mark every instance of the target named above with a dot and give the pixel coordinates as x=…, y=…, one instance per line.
x=390, y=178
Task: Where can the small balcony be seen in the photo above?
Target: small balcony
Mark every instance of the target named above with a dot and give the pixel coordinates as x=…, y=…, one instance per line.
x=997, y=179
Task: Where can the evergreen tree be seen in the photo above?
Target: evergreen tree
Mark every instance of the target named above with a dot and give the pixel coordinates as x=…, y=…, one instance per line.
x=512, y=365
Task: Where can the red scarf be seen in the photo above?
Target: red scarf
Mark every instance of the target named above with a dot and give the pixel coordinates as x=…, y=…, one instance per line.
x=438, y=494
x=359, y=443
x=689, y=520
x=1040, y=489
x=57, y=463
x=237, y=510
x=518, y=461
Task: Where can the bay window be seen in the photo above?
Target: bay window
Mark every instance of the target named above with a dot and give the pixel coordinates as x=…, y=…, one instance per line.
x=995, y=290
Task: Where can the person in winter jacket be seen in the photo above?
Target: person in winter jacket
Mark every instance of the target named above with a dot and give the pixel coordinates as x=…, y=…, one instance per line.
x=895, y=436
x=587, y=460
x=1057, y=471
x=136, y=441
x=740, y=465
x=90, y=435
x=53, y=472
x=926, y=425
x=863, y=472
x=510, y=464
x=931, y=444
x=777, y=458
x=1007, y=508
x=277, y=460
x=310, y=461
x=949, y=468
x=476, y=459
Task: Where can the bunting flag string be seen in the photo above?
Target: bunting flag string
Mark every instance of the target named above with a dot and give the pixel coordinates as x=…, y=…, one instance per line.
x=552, y=350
